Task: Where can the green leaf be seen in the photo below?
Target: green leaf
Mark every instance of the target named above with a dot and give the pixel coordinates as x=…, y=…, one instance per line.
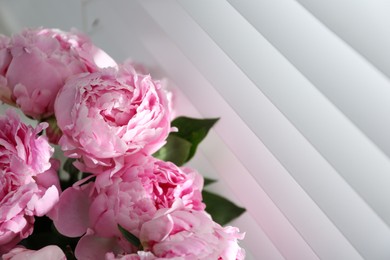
x=222, y=210
x=193, y=130
x=208, y=181
x=130, y=237
x=176, y=150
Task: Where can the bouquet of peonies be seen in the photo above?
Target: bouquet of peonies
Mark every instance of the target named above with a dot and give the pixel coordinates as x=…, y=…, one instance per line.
x=119, y=190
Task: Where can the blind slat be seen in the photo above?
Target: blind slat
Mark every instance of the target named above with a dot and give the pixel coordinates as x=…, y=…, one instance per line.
x=211, y=58
x=356, y=87
x=355, y=158
x=364, y=27
x=302, y=143
x=161, y=47
x=204, y=162
x=178, y=33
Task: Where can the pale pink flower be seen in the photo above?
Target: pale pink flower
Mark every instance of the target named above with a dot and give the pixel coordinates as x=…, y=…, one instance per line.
x=71, y=214
x=29, y=185
x=166, y=84
x=110, y=114
x=167, y=183
x=83, y=211
x=129, y=198
x=47, y=253
x=91, y=246
x=94, y=247
x=180, y=233
x=138, y=190
x=35, y=64
x=186, y=234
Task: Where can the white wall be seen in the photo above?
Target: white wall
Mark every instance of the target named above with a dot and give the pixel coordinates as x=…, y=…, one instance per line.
x=303, y=93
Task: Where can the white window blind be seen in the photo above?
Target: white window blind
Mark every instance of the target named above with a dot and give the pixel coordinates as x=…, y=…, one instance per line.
x=303, y=92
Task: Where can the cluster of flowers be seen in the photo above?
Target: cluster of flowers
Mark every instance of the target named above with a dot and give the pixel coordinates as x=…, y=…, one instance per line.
x=110, y=119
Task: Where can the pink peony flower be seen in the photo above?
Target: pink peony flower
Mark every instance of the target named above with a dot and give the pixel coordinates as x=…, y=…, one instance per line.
x=91, y=246
x=168, y=183
x=181, y=233
x=35, y=64
x=28, y=181
x=82, y=211
x=129, y=198
x=47, y=253
x=186, y=234
x=110, y=114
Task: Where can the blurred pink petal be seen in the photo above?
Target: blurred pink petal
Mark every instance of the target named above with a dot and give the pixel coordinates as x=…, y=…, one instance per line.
x=46, y=58
x=190, y=235
x=71, y=213
x=94, y=247
x=28, y=188
x=46, y=253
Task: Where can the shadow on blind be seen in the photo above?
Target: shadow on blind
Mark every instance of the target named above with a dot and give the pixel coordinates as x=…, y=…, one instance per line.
x=303, y=141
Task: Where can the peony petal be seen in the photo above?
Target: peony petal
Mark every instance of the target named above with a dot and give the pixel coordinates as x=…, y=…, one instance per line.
x=72, y=211
x=47, y=202
x=94, y=247
x=156, y=230
x=47, y=253
x=50, y=177
x=109, y=114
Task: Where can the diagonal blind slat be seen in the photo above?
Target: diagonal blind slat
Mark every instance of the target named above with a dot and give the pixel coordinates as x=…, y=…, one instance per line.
x=341, y=73
x=302, y=142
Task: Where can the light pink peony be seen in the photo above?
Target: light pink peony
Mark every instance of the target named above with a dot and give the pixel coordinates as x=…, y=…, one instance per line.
x=47, y=253
x=107, y=115
x=181, y=233
x=82, y=211
x=187, y=234
x=28, y=181
x=35, y=64
x=129, y=198
x=168, y=183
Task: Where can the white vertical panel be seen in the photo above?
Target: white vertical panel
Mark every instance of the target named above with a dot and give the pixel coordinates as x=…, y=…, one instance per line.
x=330, y=202
x=18, y=14
x=356, y=87
x=178, y=34
x=257, y=244
x=363, y=24
x=298, y=109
